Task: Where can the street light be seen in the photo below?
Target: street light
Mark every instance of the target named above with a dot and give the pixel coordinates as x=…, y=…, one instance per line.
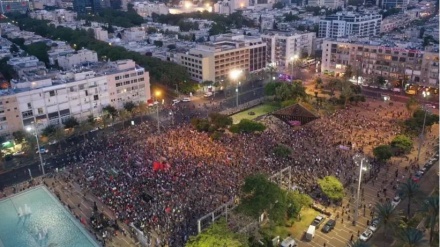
x=292, y=60
x=362, y=162
x=35, y=133
x=157, y=94
x=234, y=75
x=422, y=136
x=172, y=117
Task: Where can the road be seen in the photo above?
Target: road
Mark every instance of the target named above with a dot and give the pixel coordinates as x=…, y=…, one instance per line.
x=398, y=97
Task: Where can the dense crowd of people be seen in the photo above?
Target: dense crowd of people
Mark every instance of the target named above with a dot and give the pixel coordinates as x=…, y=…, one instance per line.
x=198, y=174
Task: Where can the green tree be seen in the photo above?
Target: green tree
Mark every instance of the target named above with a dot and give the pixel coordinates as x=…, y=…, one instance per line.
x=129, y=106
x=414, y=124
x=14, y=49
x=262, y=196
x=388, y=216
x=200, y=124
x=282, y=151
x=346, y=91
x=411, y=237
x=111, y=111
x=278, y=5
x=217, y=235
x=360, y=243
x=247, y=126
x=381, y=80
x=383, y=152
x=219, y=120
x=430, y=209
x=412, y=104
x=270, y=88
x=48, y=130
x=401, y=144
x=348, y=73
x=332, y=188
x=19, y=136
x=71, y=122
x=39, y=50
x=158, y=43
x=409, y=190
x=83, y=128
x=124, y=115
x=318, y=81
x=297, y=201
x=142, y=108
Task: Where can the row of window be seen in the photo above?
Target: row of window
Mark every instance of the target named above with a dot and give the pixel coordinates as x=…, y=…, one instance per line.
x=119, y=77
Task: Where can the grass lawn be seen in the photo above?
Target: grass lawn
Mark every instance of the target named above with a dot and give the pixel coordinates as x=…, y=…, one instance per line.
x=259, y=111
x=299, y=227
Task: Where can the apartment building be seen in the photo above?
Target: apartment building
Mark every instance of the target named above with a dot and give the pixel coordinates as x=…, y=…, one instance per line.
x=344, y=24
x=68, y=61
x=23, y=65
x=283, y=46
x=52, y=98
x=146, y=9
x=332, y=4
x=134, y=34
x=214, y=60
x=8, y=6
x=390, y=61
x=389, y=4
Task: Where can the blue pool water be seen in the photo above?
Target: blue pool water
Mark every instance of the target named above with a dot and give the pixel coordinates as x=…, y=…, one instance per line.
x=48, y=225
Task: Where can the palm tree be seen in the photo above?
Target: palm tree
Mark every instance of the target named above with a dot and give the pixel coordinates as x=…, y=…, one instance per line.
x=411, y=237
x=388, y=216
x=430, y=210
x=409, y=189
x=359, y=243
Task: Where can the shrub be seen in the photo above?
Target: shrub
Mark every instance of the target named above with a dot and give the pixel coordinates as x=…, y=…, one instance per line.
x=247, y=126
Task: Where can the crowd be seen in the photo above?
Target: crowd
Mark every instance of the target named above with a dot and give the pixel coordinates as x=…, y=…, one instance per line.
x=200, y=174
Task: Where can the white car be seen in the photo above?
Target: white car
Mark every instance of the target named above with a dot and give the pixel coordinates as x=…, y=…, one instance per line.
x=154, y=103
x=366, y=235
x=19, y=153
x=175, y=101
x=396, y=200
x=53, y=142
x=374, y=224
x=208, y=94
x=186, y=99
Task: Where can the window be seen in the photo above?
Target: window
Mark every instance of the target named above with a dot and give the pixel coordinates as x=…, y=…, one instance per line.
x=29, y=106
x=40, y=111
x=117, y=77
x=27, y=114
x=126, y=75
x=95, y=97
x=118, y=84
x=87, y=93
x=52, y=93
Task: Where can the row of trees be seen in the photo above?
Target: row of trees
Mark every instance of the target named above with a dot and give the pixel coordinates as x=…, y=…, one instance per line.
x=401, y=144
x=163, y=72
x=114, y=16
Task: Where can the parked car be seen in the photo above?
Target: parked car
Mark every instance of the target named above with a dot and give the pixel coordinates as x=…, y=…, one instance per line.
x=318, y=221
x=19, y=153
x=396, y=200
x=207, y=94
x=366, y=235
x=416, y=177
x=329, y=226
x=53, y=142
x=186, y=99
x=374, y=224
x=42, y=150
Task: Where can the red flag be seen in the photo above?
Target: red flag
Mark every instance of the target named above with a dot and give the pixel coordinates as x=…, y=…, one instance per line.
x=157, y=166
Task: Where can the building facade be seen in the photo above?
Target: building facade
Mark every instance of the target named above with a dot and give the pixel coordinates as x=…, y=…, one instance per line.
x=371, y=61
x=79, y=93
x=282, y=47
x=213, y=61
x=350, y=24
x=70, y=60
x=332, y=4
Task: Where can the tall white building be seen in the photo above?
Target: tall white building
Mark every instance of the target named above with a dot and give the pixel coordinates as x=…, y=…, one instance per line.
x=332, y=4
x=146, y=9
x=214, y=60
x=283, y=46
x=344, y=24
x=51, y=99
x=70, y=60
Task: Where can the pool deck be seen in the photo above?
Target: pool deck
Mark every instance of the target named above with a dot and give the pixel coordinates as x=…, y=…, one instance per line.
x=79, y=202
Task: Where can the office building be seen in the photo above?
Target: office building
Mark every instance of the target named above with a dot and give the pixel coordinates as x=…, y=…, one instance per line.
x=8, y=6
x=344, y=24
x=68, y=61
x=282, y=47
x=215, y=60
x=331, y=4
x=390, y=4
x=53, y=98
x=370, y=60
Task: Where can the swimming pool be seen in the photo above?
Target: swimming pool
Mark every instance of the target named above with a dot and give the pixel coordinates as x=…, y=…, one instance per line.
x=35, y=218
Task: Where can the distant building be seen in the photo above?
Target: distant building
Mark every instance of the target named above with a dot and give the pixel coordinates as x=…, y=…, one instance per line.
x=51, y=99
x=282, y=47
x=8, y=6
x=372, y=60
x=70, y=60
x=389, y=4
x=332, y=4
x=86, y=6
x=100, y=34
x=146, y=9
x=344, y=24
x=214, y=60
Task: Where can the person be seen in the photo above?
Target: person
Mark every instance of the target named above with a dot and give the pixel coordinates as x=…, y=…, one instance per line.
x=351, y=238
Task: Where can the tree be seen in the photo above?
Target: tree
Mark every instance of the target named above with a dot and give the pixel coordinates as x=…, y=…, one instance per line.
x=158, y=43
x=70, y=122
x=14, y=49
x=217, y=235
x=412, y=105
x=262, y=196
x=318, y=81
x=348, y=73
x=270, y=88
x=410, y=190
x=282, y=151
x=401, y=144
x=83, y=128
x=383, y=152
x=381, y=80
x=388, y=216
x=278, y=5
x=332, y=188
x=39, y=50
x=48, y=130
x=297, y=201
x=19, y=136
x=124, y=115
x=430, y=209
x=411, y=237
x=414, y=124
x=346, y=91
x=142, y=108
x=111, y=111
x=360, y=243
x=247, y=126
x=220, y=120
x=129, y=106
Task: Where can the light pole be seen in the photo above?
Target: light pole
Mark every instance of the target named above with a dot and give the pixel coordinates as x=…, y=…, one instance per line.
x=235, y=74
x=292, y=60
x=35, y=133
x=172, y=117
x=360, y=160
x=157, y=94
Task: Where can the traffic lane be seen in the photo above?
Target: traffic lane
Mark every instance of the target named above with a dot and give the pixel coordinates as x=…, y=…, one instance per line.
x=402, y=97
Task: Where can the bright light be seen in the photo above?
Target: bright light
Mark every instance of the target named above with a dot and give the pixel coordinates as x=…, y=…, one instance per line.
x=207, y=5
x=235, y=73
x=188, y=5
x=157, y=93
x=29, y=128
x=295, y=57
x=241, y=5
